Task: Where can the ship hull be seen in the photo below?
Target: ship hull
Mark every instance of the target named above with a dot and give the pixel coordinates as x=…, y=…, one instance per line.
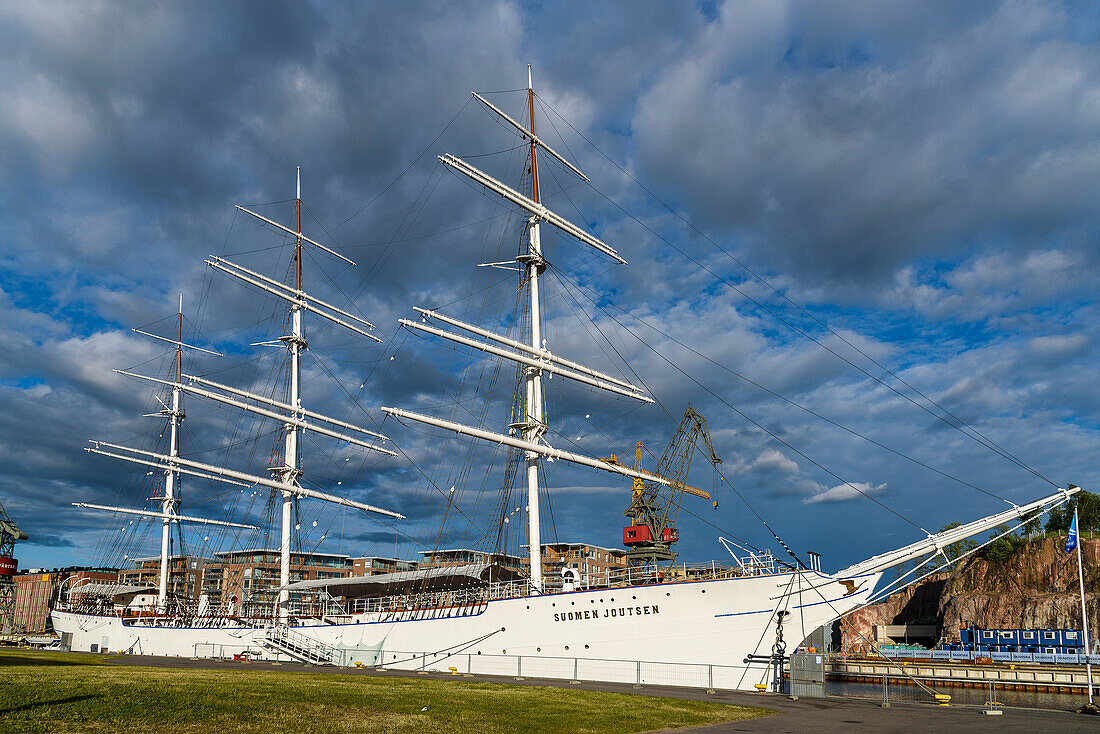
x=700, y=632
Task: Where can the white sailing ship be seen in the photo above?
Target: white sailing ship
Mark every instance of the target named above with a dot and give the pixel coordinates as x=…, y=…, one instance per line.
x=725, y=626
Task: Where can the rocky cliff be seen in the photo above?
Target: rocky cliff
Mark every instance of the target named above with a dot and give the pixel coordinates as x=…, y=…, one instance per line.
x=1035, y=587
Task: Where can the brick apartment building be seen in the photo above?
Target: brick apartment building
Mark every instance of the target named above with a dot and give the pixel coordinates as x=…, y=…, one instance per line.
x=466, y=556
x=375, y=565
x=252, y=576
x=36, y=590
x=590, y=561
x=184, y=574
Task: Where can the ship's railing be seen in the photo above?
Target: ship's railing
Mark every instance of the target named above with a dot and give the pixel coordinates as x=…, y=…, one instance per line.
x=472, y=598
x=190, y=613
x=324, y=607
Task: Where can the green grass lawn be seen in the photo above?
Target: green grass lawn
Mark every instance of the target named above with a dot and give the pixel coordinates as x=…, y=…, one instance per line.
x=64, y=692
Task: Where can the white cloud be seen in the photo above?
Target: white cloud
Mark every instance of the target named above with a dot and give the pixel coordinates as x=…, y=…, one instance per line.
x=845, y=492
x=774, y=460
x=1059, y=346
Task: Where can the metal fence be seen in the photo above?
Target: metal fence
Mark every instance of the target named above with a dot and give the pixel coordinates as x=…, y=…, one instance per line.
x=209, y=650
x=989, y=694
x=638, y=672
x=1011, y=657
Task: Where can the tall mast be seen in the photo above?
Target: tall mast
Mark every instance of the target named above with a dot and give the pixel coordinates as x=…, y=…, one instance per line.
x=289, y=472
x=533, y=355
x=535, y=424
x=291, y=415
x=169, y=501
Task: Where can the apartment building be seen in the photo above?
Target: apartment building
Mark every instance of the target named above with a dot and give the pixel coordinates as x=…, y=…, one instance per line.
x=592, y=562
x=184, y=574
x=375, y=565
x=36, y=590
x=252, y=576
x=466, y=556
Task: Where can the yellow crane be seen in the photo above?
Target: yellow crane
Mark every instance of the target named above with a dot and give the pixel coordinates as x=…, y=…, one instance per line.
x=639, y=484
x=655, y=503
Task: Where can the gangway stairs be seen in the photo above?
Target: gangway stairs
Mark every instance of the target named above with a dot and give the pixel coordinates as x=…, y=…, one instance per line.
x=283, y=639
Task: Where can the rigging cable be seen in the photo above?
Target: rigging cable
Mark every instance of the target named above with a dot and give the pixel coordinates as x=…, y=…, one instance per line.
x=761, y=426
x=948, y=417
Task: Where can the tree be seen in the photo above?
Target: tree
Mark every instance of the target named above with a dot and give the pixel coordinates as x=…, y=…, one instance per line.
x=1087, y=505
x=952, y=552
x=1088, y=511
x=959, y=549
x=1001, y=548
x=1058, y=519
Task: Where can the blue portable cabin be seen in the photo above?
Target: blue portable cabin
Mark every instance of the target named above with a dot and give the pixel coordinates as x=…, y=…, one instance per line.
x=1047, y=641
x=1073, y=640
x=1065, y=640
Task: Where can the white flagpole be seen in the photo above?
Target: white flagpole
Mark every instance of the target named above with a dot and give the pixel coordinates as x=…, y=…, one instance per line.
x=1084, y=617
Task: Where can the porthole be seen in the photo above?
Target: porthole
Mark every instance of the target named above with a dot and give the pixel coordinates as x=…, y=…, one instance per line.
x=479, y=652
x=567, y=647
x=633, y=597
x=586, y=647
x=704, y=591
x=538, y=649
x=572, y=603
x=668, y=593
x=504, y=652
x=528, y=606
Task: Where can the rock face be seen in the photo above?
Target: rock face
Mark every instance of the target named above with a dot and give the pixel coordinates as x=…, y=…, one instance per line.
x=1035, y=588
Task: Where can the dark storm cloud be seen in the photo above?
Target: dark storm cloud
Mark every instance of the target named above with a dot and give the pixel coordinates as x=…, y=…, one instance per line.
x=844, y=141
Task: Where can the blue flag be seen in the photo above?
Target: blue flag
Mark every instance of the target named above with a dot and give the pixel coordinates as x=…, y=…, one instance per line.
x=1071, y=539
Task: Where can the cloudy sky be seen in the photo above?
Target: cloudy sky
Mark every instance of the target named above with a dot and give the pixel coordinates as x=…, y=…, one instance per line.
x=862, y=242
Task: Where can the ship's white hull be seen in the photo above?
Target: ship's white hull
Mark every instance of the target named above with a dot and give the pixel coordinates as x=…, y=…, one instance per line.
x=696, y=633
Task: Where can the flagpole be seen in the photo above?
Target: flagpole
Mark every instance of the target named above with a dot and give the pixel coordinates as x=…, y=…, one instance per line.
x=1084, y=618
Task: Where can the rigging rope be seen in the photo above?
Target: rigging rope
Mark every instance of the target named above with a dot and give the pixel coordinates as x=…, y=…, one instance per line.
x=947, y=417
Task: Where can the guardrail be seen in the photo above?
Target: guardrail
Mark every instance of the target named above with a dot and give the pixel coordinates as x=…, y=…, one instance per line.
x=638, y=672
x=301, y=646
x=1009, y=657
x=988, y=694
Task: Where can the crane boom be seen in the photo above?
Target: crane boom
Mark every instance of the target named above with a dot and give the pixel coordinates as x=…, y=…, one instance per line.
x=655, y=507
x=9, y=533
